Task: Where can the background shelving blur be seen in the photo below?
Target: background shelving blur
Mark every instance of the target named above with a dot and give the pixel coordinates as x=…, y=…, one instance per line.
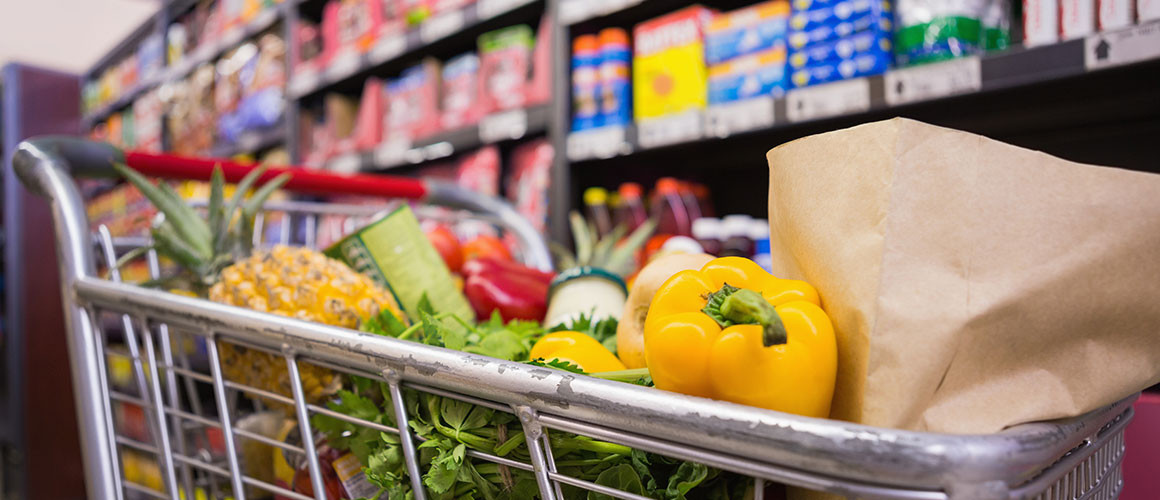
x=539, y=100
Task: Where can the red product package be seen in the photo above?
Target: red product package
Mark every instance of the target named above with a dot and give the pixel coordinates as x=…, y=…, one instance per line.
x=394, y=18
x=479, y=171
x=368, y=128
x=441, y=6
x=461, y=106
x=527, y=185
x=540, y=88
x=412, y=109
x=505, y=65
x=349, y=27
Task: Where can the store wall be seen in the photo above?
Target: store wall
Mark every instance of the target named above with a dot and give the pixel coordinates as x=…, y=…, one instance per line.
x=40, y=437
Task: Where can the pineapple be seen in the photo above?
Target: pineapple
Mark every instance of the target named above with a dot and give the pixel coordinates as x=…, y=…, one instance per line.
x=218, y=261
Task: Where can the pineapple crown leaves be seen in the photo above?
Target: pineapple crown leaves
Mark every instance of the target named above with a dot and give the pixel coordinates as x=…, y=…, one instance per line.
x=614, y=252
x=204, y=247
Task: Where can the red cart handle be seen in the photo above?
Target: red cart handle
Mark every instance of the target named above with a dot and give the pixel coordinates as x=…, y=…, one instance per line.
x=302, y=180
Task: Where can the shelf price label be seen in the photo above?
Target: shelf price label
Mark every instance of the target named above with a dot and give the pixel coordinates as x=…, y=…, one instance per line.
x=502, y=126
x=441, y=26
x=724, y=120
x=392, y=152
x=931, y=81
x=574, y=11
x=831, y=99
x=387, y=48
x=249, y=142
x=1126, y=46
x=603, y=142
x=684, y=127
x=344, y=65
x=487, y=9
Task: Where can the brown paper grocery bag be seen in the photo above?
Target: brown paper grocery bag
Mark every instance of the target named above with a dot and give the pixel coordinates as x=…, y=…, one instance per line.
x=973, y=285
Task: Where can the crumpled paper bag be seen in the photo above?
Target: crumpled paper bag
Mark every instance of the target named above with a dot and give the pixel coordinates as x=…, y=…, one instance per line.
x=973, y=285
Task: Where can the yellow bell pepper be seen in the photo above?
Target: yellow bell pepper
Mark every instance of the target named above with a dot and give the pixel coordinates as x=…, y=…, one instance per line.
x=734, y=332
x=576, y=348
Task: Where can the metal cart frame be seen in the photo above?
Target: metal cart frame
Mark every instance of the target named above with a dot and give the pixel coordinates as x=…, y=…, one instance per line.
x=1072, y=458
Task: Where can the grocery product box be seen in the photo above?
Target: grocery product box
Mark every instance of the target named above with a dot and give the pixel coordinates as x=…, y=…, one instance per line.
x=1040, y=22
x=1076, y=18
x=413, y=102
x=669, y=72
x=837, y=12
x=746, y=31
x=812, y=33
x=505, y=59
x=866, y=64
x=842, y=48
x=1115, y=14
x=461, y=104
x=763, y=73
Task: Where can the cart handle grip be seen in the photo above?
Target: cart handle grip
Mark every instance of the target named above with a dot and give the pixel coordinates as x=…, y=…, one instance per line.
x=86, y=158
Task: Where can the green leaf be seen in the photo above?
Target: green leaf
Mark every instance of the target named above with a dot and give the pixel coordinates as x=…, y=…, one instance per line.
x=171, y=244
x=236, y=201
x=185, y=220
x=444, y=469
x=564, y=257
x=619, y=262
x=503, y=344
x=640, y=463
x=622, y=477
x=216, y=186
x=604, y=247
x=583, y=239
x=558, y=364
x=385, y=323
x=687, y=477
x=424, y=305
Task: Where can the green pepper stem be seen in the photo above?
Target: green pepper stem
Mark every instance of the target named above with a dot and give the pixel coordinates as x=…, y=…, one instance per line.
x=622, y=375
x=747, y=307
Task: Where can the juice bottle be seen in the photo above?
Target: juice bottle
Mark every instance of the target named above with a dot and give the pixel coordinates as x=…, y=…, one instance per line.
x=701, y=191
x=585, y=82
x=692, y=207
x=630, y=211
x=615, y=91
x=596, y=206
x=668, y=208
x=736, y=236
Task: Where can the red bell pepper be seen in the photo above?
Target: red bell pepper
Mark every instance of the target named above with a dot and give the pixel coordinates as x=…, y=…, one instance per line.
x=516, y=291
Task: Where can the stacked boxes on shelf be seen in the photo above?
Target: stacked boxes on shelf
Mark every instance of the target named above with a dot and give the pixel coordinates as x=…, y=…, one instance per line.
x=669, y=71
x=746, y=52
x=839, y=39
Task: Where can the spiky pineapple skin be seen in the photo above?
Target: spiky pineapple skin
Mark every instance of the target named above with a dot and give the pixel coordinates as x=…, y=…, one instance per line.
x=300, y=283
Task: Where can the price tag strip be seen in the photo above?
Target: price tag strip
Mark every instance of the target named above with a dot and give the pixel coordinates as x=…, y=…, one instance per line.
x=603, y=142
x=1115, y=48
x=684, y=127
x=441, y=26
x=304, y=82
x=831, y=99
x=393, y=152
x=344, y=65
x=387, y=48
x=931, y=81
x=724, y=120
x=345, y=164
x=487, y=9
x=504, y=125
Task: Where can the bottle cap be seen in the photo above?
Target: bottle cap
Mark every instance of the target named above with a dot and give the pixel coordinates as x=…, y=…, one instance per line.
x=613, y=36
x=758, y=229
x=707, y=228
x=585, y=43
x=629, y=191
x=595, y=196
x=735, y=226
x=668, y=185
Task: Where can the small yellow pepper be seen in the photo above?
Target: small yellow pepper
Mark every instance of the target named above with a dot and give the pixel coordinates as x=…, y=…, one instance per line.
x=576, y=348
x=734, y=332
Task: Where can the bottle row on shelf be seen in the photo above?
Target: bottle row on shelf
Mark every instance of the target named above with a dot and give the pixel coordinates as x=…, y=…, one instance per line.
x=508, y=74
x=699, y=73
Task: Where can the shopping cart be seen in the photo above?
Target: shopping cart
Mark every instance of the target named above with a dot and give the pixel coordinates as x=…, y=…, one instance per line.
x=1072, y=458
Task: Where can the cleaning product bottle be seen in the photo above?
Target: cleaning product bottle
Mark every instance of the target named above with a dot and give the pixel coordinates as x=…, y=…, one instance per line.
x=596, y=206
x=668, y=208
x=759, y=233
x=631, y=211
x=615, y=90
x=585, y=82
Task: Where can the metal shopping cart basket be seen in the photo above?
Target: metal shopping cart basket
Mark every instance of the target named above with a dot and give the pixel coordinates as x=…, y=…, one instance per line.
x=1072, y=458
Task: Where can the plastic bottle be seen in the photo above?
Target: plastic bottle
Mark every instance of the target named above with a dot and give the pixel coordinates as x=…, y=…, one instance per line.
x=701, y=191
x=631, y=211
x=759, y=233
x=615, y=90
x=692, y=207
x=585, y=82
x=596, y=206
x=669, y=209
x=707, y=232
x=736, y=241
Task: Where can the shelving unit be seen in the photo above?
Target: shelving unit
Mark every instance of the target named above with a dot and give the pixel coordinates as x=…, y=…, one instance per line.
x=1086, y=99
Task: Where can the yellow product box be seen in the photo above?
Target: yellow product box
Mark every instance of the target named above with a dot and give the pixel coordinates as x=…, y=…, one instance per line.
x=668, y=66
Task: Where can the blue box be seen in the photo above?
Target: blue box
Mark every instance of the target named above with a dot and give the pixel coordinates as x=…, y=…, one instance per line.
x=837, y=12
x=872, y=21
x=870, y=63
x=746, y=31
x=754, y=75
x=842, y=48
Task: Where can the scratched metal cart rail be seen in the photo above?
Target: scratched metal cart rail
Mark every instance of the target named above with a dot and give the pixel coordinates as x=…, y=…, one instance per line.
x=1068, y=459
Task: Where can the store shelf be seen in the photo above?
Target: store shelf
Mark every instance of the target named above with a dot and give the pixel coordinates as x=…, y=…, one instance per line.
x=578, y=11
x=896, y=88
x=390, y=48
x=251, y=142
x=210, y=51
x=126, y=99
x=494, y=128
